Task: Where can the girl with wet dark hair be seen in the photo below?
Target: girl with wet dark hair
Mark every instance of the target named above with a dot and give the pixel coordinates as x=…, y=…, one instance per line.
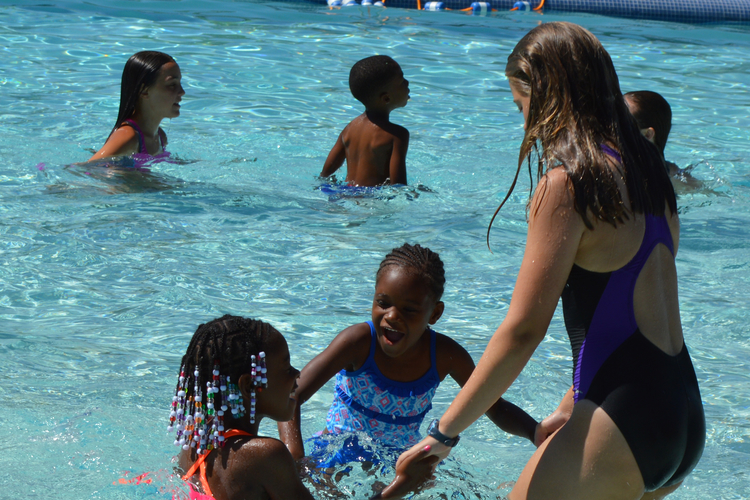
x=151, y=91
x=603, y=233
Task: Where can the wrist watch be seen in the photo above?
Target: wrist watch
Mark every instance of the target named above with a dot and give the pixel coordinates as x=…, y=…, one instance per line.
x=434, y=432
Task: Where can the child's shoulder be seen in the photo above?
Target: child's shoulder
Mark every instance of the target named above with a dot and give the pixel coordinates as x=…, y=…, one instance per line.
x=125, y=135
x=399, y=131
x=259, y=455
x=451, y=356
x=123, y=141
x=259, y=463
x=356, y=339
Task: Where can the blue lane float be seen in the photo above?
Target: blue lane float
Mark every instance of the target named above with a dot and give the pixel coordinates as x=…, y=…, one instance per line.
x=681, y=11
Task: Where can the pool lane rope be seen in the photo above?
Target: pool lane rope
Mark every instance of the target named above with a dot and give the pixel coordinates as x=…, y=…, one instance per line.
x=526, y=6
x=479, y=6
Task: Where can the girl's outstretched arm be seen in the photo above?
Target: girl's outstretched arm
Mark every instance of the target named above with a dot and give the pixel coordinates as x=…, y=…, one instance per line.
x=348, y=351
x=554, y=235
x=454, y=359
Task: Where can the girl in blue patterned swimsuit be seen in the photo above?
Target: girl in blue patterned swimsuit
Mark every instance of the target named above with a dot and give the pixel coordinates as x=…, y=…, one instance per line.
x=387, y=369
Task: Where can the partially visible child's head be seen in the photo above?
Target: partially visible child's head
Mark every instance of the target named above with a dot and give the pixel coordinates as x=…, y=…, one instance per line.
x=653, y=115
x=141, y=72
x=408, y=288
x=369, y=78
x=227, y=358
x=420, y=261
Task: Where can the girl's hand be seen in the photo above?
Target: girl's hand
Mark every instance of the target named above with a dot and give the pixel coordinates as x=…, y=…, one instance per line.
x=414, y=467
x=549, y=425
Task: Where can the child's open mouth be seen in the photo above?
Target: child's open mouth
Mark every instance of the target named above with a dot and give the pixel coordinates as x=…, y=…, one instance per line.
x=391, y=335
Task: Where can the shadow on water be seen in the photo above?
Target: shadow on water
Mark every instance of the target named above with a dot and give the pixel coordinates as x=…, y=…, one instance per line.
x=111, y=176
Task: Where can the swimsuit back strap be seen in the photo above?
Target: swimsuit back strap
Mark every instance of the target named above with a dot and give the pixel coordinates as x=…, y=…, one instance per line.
x=201, y=462
x=141, y=139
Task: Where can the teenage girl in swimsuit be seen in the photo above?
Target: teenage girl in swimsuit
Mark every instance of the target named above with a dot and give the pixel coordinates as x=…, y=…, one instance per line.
x=387, y=369
x=235, y=372
x=603, y=233
x=151, y=91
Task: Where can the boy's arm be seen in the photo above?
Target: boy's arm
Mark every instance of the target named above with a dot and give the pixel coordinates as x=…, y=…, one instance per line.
x=348, y=350
x=397, y=167
x=335, y=158
x=504, y=414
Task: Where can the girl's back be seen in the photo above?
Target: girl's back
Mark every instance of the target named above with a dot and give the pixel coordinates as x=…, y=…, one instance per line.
x=244, y=468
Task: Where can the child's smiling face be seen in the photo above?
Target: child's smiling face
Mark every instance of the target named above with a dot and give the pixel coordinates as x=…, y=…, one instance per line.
x=402, y=309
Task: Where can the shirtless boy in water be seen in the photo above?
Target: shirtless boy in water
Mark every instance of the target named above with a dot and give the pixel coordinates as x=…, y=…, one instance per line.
x=373, y=147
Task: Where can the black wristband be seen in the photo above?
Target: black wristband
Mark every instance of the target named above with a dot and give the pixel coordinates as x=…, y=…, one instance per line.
x=434, y=431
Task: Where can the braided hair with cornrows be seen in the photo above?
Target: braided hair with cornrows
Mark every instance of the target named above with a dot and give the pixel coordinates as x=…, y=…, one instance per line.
x=420, y=261
x=220, y=352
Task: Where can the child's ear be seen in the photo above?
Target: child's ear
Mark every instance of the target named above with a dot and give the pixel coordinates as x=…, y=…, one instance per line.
x=385, y=97
x=437, y=312
x=245, y=385
x=649, y=133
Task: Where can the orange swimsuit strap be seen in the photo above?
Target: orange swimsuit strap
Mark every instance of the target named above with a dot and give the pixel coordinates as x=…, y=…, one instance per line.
x=201, y=462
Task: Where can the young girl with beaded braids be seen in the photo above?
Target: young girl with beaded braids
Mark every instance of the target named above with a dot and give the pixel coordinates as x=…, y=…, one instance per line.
x=235, y=372
x=387, y=369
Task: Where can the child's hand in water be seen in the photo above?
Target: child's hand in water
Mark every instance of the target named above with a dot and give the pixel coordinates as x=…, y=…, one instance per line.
x=412, y=470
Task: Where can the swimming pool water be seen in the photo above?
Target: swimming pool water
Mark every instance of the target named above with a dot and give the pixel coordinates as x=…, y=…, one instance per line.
x=104, y=279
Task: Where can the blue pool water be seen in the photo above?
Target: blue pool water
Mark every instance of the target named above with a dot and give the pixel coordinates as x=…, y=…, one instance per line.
x=104, y=279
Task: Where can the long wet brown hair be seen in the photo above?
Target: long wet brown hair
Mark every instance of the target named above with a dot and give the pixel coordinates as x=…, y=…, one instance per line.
x=575, y=107
x=140, y=72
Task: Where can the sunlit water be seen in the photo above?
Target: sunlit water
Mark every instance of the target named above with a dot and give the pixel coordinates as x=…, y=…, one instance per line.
x=104, y=279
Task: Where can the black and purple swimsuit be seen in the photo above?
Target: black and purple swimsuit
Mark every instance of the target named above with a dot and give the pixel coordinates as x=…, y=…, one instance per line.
x=652, y=397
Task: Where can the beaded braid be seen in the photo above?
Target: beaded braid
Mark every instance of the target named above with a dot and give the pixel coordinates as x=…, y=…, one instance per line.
x=219, y=353
x=422, y=261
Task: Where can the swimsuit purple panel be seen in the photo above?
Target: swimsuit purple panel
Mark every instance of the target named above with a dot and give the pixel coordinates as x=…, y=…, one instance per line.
x=614, y=319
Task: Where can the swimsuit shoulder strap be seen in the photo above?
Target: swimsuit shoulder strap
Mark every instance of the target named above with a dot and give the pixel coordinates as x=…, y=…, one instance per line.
x=611, y=152
x=201, y=462
x=141, y=140
x=370, y=361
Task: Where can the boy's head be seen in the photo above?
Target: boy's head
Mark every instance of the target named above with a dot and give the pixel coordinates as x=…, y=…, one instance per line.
x=653, y=115
x=372, y=77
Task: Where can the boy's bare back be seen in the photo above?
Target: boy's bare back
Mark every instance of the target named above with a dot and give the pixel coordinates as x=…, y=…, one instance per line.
x=373, y=147
x=375, y=152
